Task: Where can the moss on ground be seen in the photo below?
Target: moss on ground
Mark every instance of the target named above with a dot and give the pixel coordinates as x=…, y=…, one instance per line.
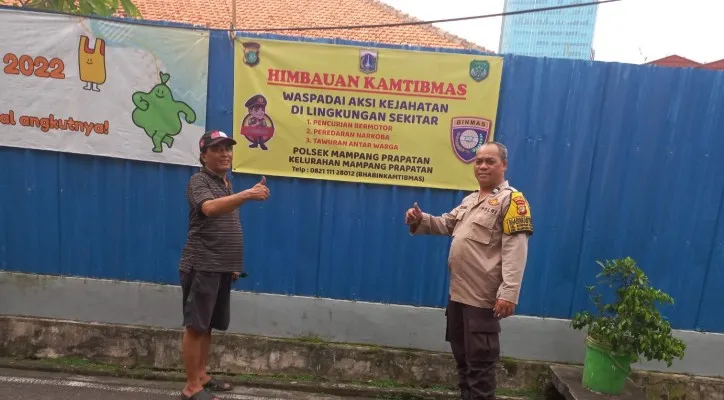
x=398, y=390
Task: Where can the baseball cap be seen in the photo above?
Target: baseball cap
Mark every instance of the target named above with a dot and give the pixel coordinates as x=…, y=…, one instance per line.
x=212, y=138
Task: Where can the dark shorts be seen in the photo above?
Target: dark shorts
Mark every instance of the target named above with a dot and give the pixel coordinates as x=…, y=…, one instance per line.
x=206, y=300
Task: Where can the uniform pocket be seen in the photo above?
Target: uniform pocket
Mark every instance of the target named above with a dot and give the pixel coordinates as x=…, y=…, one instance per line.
x=479, y=324
x=481, y=228
x=483, y=347
x=483, y=341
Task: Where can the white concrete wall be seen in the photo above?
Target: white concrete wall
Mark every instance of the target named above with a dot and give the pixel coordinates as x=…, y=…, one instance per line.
x=133, y=303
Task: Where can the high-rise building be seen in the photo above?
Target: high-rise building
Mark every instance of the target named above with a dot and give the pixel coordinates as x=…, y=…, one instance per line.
x=564, y=33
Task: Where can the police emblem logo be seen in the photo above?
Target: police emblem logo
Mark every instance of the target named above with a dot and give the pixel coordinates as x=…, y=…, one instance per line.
x=479, y=70
x=251, y=53
x=522, y=207
x=467, y=135
x=493, y=202
x=368, y=61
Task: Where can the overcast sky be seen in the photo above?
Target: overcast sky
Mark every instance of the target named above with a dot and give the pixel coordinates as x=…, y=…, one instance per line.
x=626, y=31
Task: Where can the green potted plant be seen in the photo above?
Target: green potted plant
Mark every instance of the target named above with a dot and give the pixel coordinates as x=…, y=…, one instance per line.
x=626, y=329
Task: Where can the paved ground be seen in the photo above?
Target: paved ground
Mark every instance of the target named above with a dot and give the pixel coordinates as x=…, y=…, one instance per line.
x=31, y=385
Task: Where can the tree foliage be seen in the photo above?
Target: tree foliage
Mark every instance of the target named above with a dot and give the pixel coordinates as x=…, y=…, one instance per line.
x=632, y=323
x=100, y=8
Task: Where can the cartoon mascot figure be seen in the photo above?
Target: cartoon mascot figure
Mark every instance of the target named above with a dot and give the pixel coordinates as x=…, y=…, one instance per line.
x=257, y=127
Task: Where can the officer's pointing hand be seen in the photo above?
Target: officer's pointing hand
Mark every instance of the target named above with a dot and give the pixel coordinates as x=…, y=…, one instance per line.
x=413, y=215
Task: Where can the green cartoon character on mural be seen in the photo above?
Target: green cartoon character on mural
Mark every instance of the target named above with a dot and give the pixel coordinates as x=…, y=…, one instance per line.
x=157, y=113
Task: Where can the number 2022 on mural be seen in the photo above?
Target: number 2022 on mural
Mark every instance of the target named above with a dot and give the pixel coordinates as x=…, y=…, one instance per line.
x=38, y=66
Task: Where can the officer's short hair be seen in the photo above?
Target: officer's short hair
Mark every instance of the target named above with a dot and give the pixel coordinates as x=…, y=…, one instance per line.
x=502, y=150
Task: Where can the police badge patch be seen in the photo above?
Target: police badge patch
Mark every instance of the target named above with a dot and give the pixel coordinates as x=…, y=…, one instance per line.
x=251, y=53
x=518, y=217
x=467, y=135
x=368, y=61
x=479, y=70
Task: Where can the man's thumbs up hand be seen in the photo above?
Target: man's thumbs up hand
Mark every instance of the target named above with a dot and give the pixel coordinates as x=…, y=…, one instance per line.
x=259, y=191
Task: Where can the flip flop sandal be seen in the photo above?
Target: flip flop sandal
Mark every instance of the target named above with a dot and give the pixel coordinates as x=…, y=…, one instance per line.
x=200, y=395
x=217, y=386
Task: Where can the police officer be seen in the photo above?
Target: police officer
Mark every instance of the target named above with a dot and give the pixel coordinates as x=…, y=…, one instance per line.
x=488, y=253
x=257, y=111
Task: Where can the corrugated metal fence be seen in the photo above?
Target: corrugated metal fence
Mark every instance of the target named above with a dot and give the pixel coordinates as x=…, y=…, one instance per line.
x=616, y=160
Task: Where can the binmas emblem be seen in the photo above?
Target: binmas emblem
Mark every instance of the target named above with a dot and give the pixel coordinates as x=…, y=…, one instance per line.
x=467, y=134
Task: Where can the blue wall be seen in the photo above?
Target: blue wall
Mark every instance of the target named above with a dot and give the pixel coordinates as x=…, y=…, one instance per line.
x=616, y=160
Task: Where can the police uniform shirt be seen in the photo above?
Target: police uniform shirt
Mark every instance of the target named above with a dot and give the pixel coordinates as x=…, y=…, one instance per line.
x=489, y=245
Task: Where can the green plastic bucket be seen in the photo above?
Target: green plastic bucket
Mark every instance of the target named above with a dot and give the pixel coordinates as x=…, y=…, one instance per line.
x=604, y=372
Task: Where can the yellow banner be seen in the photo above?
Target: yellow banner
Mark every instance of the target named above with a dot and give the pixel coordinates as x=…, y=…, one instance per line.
x=355, y=114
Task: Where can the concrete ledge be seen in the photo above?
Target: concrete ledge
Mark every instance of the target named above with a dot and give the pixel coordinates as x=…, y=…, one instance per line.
x=569, y=382
x=144, y=347
x=679, y=387
x=155, y=352
x=269, y=315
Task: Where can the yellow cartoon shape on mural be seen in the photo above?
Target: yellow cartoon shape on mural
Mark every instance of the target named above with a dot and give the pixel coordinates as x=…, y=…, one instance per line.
x=92, y=63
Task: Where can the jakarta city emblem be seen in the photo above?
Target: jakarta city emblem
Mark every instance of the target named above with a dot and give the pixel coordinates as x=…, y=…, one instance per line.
x=368, y=61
